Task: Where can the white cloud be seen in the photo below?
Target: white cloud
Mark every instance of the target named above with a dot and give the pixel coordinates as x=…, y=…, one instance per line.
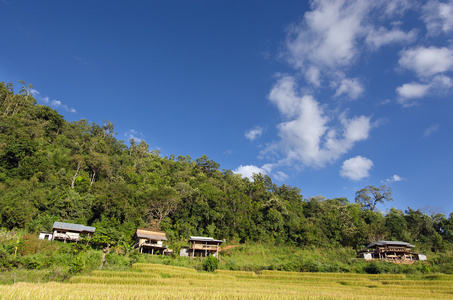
x=69, y=109
x=397, y=7
x=384, y=102
x=307, y=137
x=313, y=75
x=254, y=133
x=356, y=168
x=350, y=87
x=436, y=85
x=394, y=178
x=412, y=90
x=442, y=82
x=268, y=168
x=34, y=92
x=383, y=36
x=356, y=129
x=135, y=135
x=327, y=35
x=323, y=49
x=283, y=95
x=280, y=176
x=55, y=103
x=249, y=170
x=430, y=130
x=438, y=16
x=427, y=61
x=329, y=38
x=430, y=64
x=52, y=103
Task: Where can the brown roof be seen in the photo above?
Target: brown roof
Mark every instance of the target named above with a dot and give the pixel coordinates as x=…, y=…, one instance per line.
x=151, y=234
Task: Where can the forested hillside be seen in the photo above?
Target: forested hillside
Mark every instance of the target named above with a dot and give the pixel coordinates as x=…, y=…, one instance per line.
x=54, y=170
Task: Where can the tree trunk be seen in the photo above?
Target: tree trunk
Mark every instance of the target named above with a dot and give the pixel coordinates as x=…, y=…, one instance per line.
x=76, y=174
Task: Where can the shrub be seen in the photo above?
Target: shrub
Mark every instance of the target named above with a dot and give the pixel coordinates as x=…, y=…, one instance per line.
x=35, y=262
x=422, y=267
x=32, y=245
x=116, y=260
x=372, y=268
x=231, y=265
x=210, y=264
x=77, y=264
x=93, y=259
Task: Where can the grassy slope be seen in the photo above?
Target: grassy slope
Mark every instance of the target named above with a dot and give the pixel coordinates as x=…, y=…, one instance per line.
x=61, y=265
x=168, y=282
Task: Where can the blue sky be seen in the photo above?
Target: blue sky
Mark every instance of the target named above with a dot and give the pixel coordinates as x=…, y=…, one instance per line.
x=329, y=96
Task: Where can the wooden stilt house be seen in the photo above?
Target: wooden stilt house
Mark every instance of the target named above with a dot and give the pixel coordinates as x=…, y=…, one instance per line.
x=151, y=241
x=203, y=246
x=395, y=251
x=71, y=232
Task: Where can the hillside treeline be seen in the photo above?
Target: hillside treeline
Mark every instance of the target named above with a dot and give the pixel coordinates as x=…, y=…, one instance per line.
x=54, y=170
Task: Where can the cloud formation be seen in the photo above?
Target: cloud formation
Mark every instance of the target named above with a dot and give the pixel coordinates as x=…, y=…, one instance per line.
x=254, y=133
x=430, y=65
x=430, y=130
x=427, y=61
x=438, y=17
x=327, y=48
x=356, y=168
x=350, y=87
x=394, y=178
x=409, y=92
x=377, y=38
x=134, y=135
x=249, y=170
x=279, y=175
x=306, y=135
x=412, y=90
x=52, y=103
x=327, y=41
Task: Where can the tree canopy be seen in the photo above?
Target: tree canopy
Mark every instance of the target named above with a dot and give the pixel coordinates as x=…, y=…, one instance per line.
x=54, y=170
x=369, y=196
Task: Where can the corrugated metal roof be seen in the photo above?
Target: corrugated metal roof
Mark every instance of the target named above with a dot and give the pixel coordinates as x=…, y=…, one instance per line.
x=73, y=227
x=204, y=239
x=390, y=243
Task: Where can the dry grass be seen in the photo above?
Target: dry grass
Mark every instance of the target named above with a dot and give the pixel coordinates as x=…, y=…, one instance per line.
x=165, y=282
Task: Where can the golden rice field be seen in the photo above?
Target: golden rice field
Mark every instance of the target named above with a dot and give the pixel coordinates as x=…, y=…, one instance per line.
x=152, y=281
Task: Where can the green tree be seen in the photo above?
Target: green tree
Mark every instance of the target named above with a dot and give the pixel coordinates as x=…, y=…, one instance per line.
x=396, y=225
x=369, y=196
x=163, y=202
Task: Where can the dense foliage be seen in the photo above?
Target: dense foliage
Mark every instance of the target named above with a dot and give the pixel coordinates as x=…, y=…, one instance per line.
x=54, y=170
